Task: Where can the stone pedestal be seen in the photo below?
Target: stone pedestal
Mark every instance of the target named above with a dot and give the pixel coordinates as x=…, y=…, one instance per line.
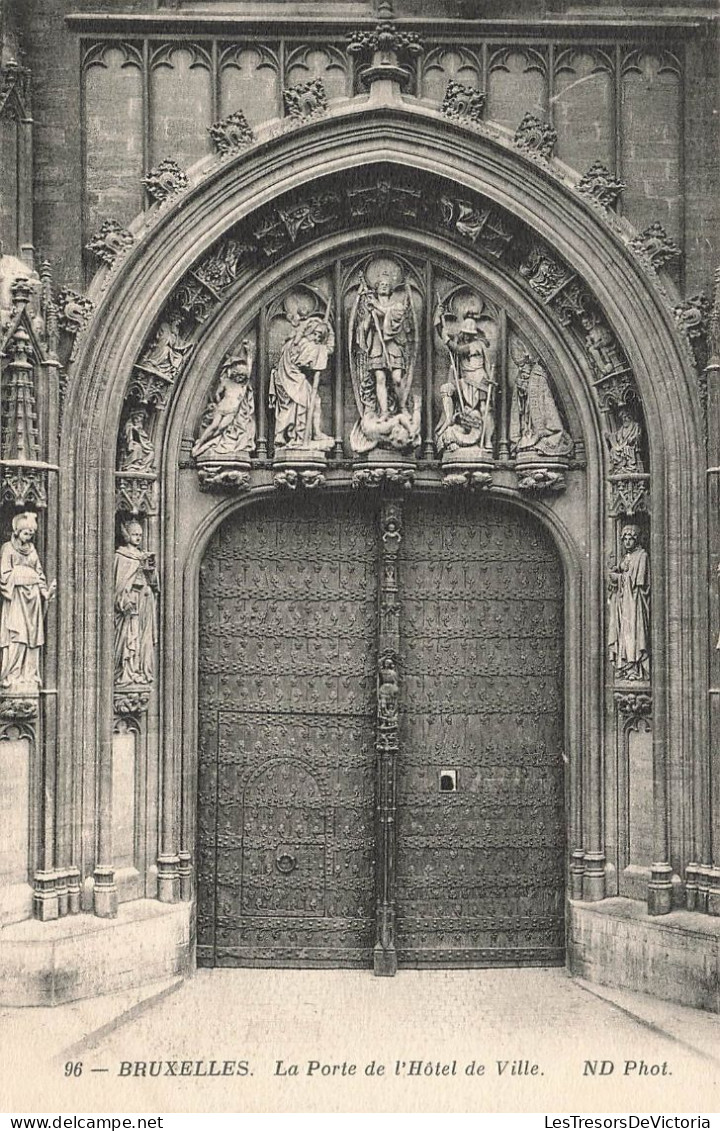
x=676, y=957
x=83, y=956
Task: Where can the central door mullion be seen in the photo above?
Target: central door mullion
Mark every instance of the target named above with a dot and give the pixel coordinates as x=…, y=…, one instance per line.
x=386, y=741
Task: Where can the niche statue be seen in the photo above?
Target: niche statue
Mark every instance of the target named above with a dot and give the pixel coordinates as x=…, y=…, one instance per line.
x=229, y=418
x=383, y=347
x=629, y=629
x=294, y=385
x=25, y=596
x=136, y=587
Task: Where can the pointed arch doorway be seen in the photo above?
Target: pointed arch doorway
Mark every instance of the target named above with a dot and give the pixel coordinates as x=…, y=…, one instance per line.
x=294, y=863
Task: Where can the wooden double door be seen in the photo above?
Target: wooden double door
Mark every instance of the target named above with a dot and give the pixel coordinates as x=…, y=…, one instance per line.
x=313, y=841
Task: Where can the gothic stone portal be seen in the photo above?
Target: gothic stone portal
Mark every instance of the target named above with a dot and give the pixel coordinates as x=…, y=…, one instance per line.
x=288, y=654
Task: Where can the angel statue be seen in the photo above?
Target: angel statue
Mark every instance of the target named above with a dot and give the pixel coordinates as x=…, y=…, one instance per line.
x=383, y=337
x=467, y=395
x=294, y=383
x=230, y=416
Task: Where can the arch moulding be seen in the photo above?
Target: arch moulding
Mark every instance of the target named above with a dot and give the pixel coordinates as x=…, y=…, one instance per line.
x=348, y=142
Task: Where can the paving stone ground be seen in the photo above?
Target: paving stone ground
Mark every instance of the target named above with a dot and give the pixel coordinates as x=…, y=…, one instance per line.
x=446, y=1021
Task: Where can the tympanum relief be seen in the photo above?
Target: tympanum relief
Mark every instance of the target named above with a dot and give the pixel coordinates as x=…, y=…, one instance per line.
x=228, y=424
x=537, y=434
x=295, y=378
x=469, y=333
x=383, y=338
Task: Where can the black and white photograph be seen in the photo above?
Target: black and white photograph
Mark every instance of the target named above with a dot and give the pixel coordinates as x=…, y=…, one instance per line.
x=360, y=558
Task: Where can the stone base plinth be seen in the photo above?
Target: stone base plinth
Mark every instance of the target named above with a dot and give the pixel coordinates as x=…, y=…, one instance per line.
x=82, y=956
x=677, y=956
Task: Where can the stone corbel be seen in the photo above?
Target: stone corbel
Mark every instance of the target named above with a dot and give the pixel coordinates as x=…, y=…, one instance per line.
x=467, y=479
x=371, y=478
x=129, y=703
x=289, y=479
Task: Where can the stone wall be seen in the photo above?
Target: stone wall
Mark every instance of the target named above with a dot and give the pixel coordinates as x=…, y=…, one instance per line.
x=606, y=92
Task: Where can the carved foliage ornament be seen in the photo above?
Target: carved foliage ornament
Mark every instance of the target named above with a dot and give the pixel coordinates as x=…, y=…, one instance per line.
x=305, y=101
x=73, y=311
x=655, y=246
x=387, y=39
x=111, y=241
x=463, y=103
x=371, y=478
x=535, y=137
x=290, y=479
x=634, y=704
x=600, y=184
x=232, y=133
x=692, y=317
x=165, y=180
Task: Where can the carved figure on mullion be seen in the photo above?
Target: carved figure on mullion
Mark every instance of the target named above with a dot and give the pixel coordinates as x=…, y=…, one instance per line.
x=137, y=452
x=25, y=596
x=629, y=628
x=383, y=337
x=470, y=335
x=537, y=433
x=229, y=420
x=294, y=392
x=136, y=587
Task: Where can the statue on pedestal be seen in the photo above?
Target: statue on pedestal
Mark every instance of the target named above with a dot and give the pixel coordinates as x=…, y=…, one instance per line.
x=629, y=629
x=294, y=385
x=383, y=344
x=136, y=586
x=136, y=449
x=230, y=416
x=468, y=419
x=536, y=429
x=25, y=595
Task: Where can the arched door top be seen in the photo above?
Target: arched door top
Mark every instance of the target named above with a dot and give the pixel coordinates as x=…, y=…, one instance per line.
x=416, y=141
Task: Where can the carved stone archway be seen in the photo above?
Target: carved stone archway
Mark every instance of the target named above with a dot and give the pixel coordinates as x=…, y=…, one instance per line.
x=401, y=136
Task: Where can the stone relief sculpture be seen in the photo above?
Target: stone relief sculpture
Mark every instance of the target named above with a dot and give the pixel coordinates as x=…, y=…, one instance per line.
x=167, y=351
x=388, y=689
x=536, y=428
x=136, y=586
x=600, y=342
x=25, y=596
x=294, y=391
x=229, y=419
x=383, y=338
x=629, y=629
x=468, y=416
x=137, y=452
x=624, y=445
